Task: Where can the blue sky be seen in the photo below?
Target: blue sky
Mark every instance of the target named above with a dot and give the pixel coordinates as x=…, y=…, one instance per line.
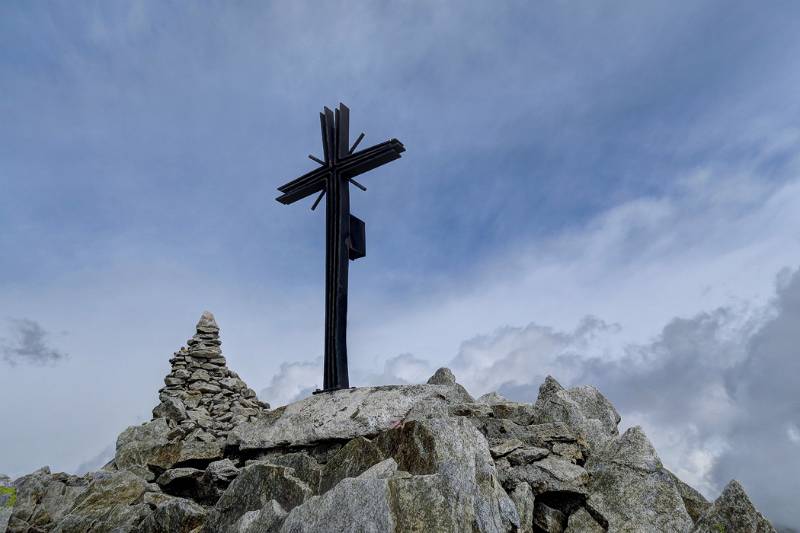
x=634, y=162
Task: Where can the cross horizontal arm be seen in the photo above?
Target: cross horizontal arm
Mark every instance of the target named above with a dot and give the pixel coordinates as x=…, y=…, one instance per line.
x=305, y=179
x=305, y=185
x=370, y=158
x=351, y=166
x=299, y=194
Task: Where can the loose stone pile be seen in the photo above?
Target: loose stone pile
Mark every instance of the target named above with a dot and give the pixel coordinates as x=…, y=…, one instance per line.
x=395, y=458
x=201, y=395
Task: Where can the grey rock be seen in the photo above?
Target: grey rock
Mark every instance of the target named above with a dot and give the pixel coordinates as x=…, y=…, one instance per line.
x=443, y=376
x=452, y=471
x=633, y=450
x=548, y=519
x=491, y=398
x=343, y=415
x=631, y=489
x=181, y=373
x=199, y=451
x=207, y=322
x=353, y=505
x=177, y=474
x=527, y=455
x=204, y=386
x=268, y=519
x=545, y=435
x=41, y=499
x=548, y=434
x=471, y=410
x=521, y=413
x=201, y=418
x=551, y=474
x=383, y=470
x=733, y=511
x=695, y=503
x=150, y=444
x=180, y=481
x=170, y=408
x=193, y=399
x=205, y=352
x=305, y=467
x=174, y=515
x=255, y=486
x=505, y=447
x=423, y=502
x=354, y=458
x=154, y=499
x=583, y=409
x=573, y=452
x=200, y=375
x=522, y=496
x=109, y=503
x=233, y=384
x=216, y=478
x=582, y=522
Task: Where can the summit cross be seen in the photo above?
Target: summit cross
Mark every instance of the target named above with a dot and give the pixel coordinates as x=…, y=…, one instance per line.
x=345, y=235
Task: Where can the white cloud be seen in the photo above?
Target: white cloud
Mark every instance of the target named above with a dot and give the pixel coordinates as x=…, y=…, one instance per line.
x=793, y=433
x=293, y=381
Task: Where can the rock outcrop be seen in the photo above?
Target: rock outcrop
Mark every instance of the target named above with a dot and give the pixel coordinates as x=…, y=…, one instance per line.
x=426, y=458
x=732, y=511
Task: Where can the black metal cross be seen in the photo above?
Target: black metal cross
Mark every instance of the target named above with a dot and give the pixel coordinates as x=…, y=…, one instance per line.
x=345, y=234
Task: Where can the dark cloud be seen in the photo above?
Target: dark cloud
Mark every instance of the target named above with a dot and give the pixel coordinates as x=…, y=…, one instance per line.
x=717, y=393
x=27, y=342
x=765, y=435
x=725, y=386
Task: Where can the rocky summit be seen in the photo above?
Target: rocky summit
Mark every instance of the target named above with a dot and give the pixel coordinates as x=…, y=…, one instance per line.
x=417, y=458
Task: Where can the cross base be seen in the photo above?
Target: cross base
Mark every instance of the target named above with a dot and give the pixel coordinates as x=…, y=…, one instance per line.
x=334, y=389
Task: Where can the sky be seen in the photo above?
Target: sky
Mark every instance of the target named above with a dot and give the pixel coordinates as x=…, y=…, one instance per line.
x=605, y=192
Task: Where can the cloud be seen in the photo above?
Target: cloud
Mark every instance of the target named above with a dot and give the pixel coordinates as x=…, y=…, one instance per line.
x=403, y=368
x=28, y=343
x=293, y=381
x=717, y=392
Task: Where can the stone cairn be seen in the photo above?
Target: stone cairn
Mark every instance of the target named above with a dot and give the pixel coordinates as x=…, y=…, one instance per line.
x=202, y=396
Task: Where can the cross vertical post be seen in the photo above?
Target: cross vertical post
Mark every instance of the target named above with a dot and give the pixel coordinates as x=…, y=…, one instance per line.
x=344, y=237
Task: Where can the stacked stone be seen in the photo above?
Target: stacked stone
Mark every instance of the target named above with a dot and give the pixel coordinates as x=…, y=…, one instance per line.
x=202, y=396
